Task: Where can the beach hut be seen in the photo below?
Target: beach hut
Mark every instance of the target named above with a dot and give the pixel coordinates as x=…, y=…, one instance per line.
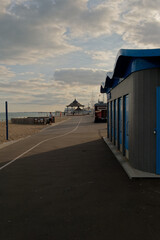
x=133, y=107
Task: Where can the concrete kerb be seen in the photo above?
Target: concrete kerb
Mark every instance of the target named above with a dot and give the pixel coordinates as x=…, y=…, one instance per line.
x=6, y=144
x=130, y=171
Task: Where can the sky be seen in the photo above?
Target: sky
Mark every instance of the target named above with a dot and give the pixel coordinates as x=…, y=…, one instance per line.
x=53, y=51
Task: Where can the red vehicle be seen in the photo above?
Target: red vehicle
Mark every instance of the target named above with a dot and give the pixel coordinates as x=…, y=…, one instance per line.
x=100, y=112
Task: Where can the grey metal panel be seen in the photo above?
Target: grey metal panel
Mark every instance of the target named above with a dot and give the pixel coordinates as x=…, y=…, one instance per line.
x=134, y=127
x=144, y=119
x=141, y=87
x=138, y=120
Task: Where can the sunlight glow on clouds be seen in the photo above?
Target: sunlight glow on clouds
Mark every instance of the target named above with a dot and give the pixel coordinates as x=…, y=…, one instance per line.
x=6, y=73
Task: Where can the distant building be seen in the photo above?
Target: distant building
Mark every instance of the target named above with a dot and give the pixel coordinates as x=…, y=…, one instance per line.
x=75, y=107
x=100, y=110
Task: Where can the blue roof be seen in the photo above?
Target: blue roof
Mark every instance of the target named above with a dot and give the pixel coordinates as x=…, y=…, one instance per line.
x=129, y=61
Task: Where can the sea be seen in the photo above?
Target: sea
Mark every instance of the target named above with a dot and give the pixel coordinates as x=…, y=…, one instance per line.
x=24, y=115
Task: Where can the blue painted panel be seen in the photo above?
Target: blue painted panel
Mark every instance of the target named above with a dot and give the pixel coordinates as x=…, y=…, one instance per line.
x=112, y=118
x=126, y=122
x=158, y=131
x=120, y=121
x=129, y=61
x=115, y=120
x=108, y=120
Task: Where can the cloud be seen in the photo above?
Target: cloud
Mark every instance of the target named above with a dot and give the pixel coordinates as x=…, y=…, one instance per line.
x=26, y=73
x=100, y=55
x=38, y=29
x=31, y=31
x=56, y=93
x=4, y=5
x=94, y=22
x=35, y=33
x=79, y=76
x=139, y=24
x=103, y=59
x=24, y=43
x=6, y=73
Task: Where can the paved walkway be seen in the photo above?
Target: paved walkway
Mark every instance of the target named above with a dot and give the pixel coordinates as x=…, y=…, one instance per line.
x=65, y=184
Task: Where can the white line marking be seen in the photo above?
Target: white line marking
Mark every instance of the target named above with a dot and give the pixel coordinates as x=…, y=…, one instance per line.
x=7, y=164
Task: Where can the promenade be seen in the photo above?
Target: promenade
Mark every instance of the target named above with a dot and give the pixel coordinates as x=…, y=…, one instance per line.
x=64, y=183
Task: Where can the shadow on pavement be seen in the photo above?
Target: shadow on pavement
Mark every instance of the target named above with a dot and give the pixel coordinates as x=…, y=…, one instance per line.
x=78, y=192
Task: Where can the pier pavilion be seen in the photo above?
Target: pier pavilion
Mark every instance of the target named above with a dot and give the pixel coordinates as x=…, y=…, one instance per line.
x=75, y=107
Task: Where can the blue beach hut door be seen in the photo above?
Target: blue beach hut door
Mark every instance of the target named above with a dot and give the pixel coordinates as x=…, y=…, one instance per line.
x=115, y=122
x=120, y=124
x=158, y=131
x=108, y=120
x=112, y=120
x=110, y=125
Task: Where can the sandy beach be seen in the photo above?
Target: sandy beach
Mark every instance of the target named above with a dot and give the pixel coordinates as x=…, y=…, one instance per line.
x=17, y=131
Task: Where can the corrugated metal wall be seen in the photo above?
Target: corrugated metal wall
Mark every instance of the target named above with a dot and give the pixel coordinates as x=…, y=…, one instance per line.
x=141, y=87
x=144, y=119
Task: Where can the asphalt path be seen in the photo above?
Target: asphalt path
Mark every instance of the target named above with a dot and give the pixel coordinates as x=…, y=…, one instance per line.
x=64, y=183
